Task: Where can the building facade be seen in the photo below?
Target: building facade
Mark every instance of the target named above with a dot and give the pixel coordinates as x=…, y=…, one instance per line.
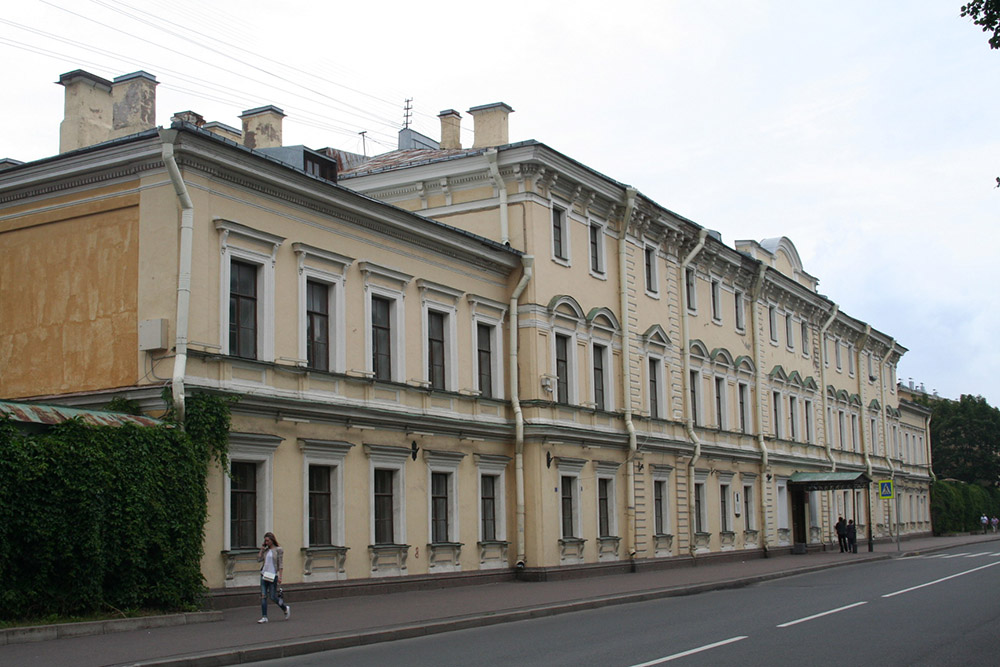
x=449, y=361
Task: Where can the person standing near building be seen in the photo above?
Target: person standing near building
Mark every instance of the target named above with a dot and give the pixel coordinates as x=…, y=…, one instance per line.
x=841, y=529
x=984, y=521
x=852, y=537
x=272, y=557
x=995, y=521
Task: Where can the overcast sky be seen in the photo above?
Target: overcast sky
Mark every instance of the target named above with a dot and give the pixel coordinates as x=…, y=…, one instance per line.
x=867, y=134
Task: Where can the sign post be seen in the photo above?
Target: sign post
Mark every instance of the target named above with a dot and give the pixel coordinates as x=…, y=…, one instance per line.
x=887, y=491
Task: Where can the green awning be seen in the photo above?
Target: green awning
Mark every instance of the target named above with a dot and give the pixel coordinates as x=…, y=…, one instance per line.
x=828, y=481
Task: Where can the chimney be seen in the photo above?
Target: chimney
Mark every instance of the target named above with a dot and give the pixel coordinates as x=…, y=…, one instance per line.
x=451, y=128
x=490, y=124
x=87, y=114
x=262, y=127
x=134, y=99
x=191, y=117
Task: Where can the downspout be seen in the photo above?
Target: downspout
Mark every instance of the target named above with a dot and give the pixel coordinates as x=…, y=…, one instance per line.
x=527, y=261
x=685, y=381
x=885, y=430
x=927, y=449
x=630, y=194
x=186, y=243
x=828, y=428
x=491, y=160
x=864, y=414
x=758, y=353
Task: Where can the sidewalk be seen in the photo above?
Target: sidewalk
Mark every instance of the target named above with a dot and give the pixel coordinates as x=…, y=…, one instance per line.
x=336, y=623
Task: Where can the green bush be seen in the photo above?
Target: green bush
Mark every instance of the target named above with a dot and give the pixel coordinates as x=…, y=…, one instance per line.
x=956, y=507
x=101, y=517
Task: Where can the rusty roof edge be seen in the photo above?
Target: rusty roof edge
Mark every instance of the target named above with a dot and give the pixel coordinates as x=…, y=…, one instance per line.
x=36, y=413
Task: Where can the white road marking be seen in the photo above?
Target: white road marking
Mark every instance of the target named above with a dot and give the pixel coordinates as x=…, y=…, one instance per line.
x=825, y=613
x=938, y=581
x=985, y=553
x=660, y=661
x=954, y=555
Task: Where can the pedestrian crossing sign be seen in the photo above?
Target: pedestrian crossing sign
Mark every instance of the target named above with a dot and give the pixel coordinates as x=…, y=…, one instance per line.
x=885, y=489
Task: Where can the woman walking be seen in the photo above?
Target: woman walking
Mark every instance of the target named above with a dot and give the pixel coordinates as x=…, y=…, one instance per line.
x=272, y=556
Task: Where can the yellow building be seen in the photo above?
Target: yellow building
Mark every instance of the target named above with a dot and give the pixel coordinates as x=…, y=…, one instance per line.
x=460, y=361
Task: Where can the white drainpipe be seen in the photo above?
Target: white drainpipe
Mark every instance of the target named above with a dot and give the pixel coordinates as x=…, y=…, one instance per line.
x=685, y=381
x=630, y=194
x=186, y=242
x=491, y=159
x=864, y=413
x=528, y=263
x=828, y=428
x=758, y=287
x=885, y=429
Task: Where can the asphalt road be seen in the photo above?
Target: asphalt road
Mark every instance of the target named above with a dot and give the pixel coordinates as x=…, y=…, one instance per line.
x=942, y=609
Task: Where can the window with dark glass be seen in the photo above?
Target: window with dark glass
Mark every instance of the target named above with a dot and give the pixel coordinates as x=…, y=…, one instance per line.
x=243, y=310
x=699, y=504
x=318, y=325
x=489, y=506
x=383, y=497
x=243, y=505
x=720, y=393
x=694, y=378
x=484, y=348
x=604, y=507
x=320, y=524
x=568, y=523
x=381, y=338
x=689, y=289
x=435, y=349
x=659, y=498
x=654, y=388
x=724, y=506
x=650, y=262
x=562, y=368
x=595, y=249
x=439, y=506
x=559, y=233
x=599, y=351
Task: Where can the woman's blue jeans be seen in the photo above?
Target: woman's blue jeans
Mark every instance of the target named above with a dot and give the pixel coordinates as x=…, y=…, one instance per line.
x=268, y=589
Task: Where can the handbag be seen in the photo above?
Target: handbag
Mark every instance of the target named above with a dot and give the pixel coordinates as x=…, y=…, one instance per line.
x=268, y=576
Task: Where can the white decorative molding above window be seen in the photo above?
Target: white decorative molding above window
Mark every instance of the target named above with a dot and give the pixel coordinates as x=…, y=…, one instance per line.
x=396, y=279
x=431, y=291
x=229, y=228
x=305, y=252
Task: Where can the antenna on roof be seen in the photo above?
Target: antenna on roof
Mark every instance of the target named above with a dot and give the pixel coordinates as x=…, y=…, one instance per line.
x=364, y=147
x=407, y=112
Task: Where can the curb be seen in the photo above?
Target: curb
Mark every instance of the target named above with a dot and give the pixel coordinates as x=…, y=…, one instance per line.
x=41, y=633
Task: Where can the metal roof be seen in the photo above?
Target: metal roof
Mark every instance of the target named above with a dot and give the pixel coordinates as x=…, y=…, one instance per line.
x=826, y=481
x=33, y=413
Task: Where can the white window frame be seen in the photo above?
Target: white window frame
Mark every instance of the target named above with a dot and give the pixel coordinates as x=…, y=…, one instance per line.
x=448, y=464
x=701, y=502
x=772, y=323
x=793, y=418
x=330, y=453
x=608, y=471
x=749, y=509
x=740, y=311
x=691, y=289
x=572, y=388
x=720, y=389
x=390, y=285
x=804, y=337
x=855, y=432
x=850, y=359
x=492, y=466
x=384, y=457
x=782, y=504
x=608, y=359
x=562, y=211
x=330, y=269
x=256, y=448
x=239, y=242
x=842, y=427
x=651, y=270
x=656, y=364
x=789, y=332
x=776, y=415
x=716, y=301
x=492, y=314
x=726, y=497
x=600, y=271
x=695, y=396
x=837, y=354
x=443, y=300
x=809, y=421
x=661, y=475
x=743, y=400
x=571, y=468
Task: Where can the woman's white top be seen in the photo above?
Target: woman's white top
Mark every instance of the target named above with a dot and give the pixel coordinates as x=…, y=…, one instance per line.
x=269, y=563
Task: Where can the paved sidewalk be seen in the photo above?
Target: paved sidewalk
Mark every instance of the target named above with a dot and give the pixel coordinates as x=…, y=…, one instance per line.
x=336, y=623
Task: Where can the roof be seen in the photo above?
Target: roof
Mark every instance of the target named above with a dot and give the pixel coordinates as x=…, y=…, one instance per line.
x=827, y=481
x=33, y=413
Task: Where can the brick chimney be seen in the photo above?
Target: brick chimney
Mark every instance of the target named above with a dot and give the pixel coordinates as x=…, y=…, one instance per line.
x=262, y=127
x=87, y=113
x=490, y=124
x=451, y=128
x=134, y=99
x=191, y=117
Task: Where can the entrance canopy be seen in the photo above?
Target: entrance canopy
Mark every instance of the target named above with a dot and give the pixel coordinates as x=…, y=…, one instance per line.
x=829, y=481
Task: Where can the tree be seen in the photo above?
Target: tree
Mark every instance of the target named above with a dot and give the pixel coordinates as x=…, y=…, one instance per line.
x=986, y=14
x=965, y=439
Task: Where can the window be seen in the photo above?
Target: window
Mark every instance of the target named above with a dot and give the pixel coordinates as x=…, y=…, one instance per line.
x=569, y=494
x=850, y=360
x=776, y=413
x=808, y=422
x=600, y=353
x=436, y=349
x=868, y=360
x=716, y=301
x=484, y=359
x=560, y=236
x=649, y=256
x=804, y=335
x=740, y=312
x=843, y=429
x=772, y=320
x=660, y=506
x=720, y=402
x=605, y=504
x=694, y=378
x=243, y=310
x=836, y=352
x=748, y=507
x=690, y=289
x=700, y=520
x=320, y=504
x=243, y=505
x=789, y=331
x=318, y=325
x=783, y=504
x=596, y=249
x=855, y=434
x=491, y=497
x=829, y=424
x=440, y=502
x=874, y=428
x=744, y=398
x=826, y=351
x=655, y=382
x=382, y=337
x=793, y=418
x=384, y=506
x=562, y=368
x=725, y=522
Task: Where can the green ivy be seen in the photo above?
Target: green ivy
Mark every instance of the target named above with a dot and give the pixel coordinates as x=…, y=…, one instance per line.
x=101, y=517
x=956, y=507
